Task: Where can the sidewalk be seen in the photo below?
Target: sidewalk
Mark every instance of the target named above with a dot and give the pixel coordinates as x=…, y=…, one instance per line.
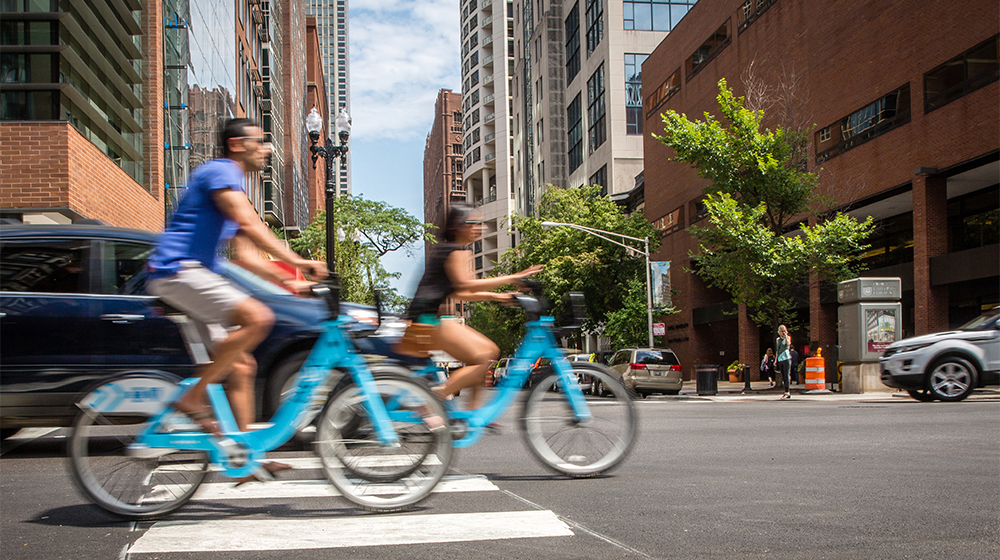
x=760, y=391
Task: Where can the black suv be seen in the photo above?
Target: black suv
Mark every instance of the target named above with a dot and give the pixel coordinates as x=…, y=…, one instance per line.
x=73, y=311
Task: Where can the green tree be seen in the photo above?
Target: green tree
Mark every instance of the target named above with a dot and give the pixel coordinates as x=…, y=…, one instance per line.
x=611, y=278
x=368, y=230
x=760, y=188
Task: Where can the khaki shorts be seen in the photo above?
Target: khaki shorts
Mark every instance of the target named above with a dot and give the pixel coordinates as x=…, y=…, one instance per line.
x=202, y=294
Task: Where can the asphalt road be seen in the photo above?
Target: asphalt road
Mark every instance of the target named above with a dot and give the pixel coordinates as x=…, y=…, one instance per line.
x=843, y=478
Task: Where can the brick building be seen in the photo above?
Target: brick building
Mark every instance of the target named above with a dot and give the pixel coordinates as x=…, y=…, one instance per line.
x=316, y=99
x=904, y=100
x=443, y=159
x=443, y=165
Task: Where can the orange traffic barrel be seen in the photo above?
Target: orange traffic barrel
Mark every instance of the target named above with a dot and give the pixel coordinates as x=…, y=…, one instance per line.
x=815, y=373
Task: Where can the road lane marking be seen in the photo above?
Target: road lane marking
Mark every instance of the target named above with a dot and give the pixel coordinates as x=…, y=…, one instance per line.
x=290, y=489
x=341, y=532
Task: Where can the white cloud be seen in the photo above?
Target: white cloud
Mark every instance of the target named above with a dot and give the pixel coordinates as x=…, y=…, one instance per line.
x=402, y=53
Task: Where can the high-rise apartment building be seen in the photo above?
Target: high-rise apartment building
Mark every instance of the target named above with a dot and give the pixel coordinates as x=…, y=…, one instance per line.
x=331, y=23
x=577, y=99
x=487, y=66
x=443, y=162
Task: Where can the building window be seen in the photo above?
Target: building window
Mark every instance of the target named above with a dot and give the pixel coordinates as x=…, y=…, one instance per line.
x=541, y=131
x=595, y=24
x=961, y=75
x=601, y=178
x=708, y=50
x=654, y=15
x=633, y=93
x=882, y=115
x=574, y=117
x=750, y=11
x=663, y=92
x=595, y=109
x=456, y=148
x=573, y=43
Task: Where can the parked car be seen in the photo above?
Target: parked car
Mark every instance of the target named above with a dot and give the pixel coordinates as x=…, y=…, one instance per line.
x=74, y=311
x=647, y=371
x=946, y=366
x=496, y=372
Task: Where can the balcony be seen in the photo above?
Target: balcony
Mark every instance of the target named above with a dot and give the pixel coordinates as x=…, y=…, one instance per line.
x=488, y=60
x=491, y=137
x=487, y=4
x=487, y=40
x=490, y=157
x=489, y=99
x=488, y=79
x=489, y=118
x=487, y=22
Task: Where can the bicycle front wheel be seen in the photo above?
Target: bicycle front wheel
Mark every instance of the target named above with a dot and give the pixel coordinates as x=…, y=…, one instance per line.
x=580, y=448
x=380, y=477
x=136, y=487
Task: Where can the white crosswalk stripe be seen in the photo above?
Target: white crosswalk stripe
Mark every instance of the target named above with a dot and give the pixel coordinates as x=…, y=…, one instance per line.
x=340, y=532
x=320, y=489
x=231, y=534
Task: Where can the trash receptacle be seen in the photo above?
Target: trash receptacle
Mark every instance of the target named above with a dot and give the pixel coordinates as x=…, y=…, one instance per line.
x=707, y=378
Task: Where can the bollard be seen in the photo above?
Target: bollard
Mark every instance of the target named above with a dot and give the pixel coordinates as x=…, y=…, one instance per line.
x=746, y=379
x=815, y=374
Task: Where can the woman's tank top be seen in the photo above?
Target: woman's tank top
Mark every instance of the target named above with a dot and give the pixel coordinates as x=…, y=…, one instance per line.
x=435, y=285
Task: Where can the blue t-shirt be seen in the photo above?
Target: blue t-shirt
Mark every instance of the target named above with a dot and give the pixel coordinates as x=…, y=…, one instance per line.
x=198, y=228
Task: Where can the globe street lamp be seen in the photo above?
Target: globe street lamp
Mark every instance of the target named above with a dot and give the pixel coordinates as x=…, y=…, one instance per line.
x=329, y=151
x=632, y=251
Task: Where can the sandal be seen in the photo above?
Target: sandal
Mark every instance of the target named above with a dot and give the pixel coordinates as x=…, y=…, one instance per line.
x=786, y=396
x=269, y=468
x=204, y=417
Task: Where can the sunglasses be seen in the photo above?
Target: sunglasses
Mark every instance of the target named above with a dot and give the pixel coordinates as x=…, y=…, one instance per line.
x=473, y=222
x=258, y=139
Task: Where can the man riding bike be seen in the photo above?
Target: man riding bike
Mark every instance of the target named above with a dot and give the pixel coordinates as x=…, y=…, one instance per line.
x=183, y=271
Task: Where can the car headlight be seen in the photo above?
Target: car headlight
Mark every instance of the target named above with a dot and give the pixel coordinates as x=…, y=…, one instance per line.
x=913, y=347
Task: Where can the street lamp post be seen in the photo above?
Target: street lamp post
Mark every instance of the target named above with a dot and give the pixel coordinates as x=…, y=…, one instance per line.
x=632, y=250
x=329, y=152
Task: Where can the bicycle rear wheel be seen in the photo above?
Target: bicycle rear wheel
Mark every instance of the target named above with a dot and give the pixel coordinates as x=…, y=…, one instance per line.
x=122, y=483
x=580, y=449
x=380, y=477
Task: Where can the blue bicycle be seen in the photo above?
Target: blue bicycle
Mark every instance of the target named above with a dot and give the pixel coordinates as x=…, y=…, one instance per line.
x=564, y=431
x=137, y=457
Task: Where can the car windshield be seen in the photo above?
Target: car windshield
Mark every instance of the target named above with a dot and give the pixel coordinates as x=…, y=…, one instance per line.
x=254, y=281
x=655, y=357
x=984, y=321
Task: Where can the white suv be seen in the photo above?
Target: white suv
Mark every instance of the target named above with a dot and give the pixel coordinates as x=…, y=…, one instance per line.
x=946, y=366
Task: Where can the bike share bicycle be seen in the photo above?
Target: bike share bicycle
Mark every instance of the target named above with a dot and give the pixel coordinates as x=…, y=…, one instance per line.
x=135, y=456
x=564, y=431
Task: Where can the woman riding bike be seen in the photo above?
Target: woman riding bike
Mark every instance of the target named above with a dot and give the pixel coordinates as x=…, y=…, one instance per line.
x=449, y=274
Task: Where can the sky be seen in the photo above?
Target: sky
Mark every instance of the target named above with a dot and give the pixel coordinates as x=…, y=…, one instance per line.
x=402, y=53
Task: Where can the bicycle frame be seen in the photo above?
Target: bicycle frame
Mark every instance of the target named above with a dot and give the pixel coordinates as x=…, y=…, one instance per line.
x=332, y=351
x=538, y=343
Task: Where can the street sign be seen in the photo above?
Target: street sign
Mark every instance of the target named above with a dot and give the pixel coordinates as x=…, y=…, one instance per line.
x=659, y=329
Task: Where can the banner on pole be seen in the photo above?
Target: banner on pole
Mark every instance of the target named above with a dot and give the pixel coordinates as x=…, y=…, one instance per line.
x=659, y=272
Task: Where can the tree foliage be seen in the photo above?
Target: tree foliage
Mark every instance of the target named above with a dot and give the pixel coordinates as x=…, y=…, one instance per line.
x=581, y=262
x=759, y=189
x=367, y=230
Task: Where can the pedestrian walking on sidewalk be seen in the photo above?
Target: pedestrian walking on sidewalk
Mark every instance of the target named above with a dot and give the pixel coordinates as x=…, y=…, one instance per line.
x=783, y=346
x=767, y=367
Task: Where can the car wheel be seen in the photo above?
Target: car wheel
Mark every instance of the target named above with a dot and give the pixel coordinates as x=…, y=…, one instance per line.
x=674, y=392
x=951, y=379
x=922, y=395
